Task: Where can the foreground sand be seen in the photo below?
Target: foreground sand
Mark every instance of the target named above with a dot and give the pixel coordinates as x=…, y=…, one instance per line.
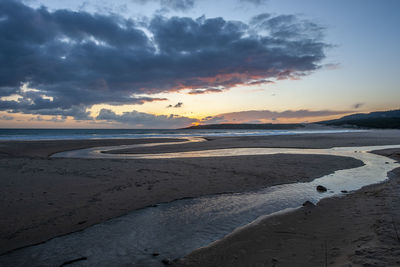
x=43, y=197
x=360, y=229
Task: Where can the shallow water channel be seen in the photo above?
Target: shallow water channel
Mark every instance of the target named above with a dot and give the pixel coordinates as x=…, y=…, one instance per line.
x=175, y=229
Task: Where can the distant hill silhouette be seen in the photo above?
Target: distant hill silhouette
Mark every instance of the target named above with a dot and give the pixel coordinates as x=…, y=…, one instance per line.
x=247, y=126
x=379, y=119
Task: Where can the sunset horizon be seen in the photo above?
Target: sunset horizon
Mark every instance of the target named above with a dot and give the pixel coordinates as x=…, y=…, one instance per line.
x=172, y=64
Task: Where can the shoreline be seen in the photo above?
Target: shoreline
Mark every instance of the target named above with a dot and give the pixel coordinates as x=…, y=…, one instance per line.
x=91, y=170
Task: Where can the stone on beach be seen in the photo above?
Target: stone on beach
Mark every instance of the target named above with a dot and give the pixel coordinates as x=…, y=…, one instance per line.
x=321, y=188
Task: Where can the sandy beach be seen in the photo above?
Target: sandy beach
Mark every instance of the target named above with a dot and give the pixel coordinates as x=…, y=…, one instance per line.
x=44, y=197
x=360, y=229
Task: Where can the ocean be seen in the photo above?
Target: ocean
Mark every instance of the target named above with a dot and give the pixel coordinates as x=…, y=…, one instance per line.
x=73, y=134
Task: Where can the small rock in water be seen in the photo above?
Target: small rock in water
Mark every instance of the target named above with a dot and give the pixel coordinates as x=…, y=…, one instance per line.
x=155, y=254
x=344, y=191
x=308, y=204
x=321, y=188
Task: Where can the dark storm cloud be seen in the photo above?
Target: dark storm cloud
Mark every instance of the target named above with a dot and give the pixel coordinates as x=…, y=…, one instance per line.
x=77, y=59
x=145, y=120
x=78, y=112
x=33, y=102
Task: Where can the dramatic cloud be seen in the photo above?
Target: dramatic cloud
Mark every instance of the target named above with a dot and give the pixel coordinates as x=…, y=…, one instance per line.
x=76, y=59
x=34, y=102
x=258, y=116
x=145, y=120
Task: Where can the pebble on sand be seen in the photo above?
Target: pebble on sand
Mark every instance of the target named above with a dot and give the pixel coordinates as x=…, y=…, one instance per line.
x=321, y=188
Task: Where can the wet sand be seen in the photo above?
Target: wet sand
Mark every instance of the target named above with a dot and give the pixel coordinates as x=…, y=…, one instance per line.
x=45, y=197
x=360, y=229
x=317, y=140
x=45, y=148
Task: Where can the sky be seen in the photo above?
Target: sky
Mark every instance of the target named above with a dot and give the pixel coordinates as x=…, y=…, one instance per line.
x=175, y=63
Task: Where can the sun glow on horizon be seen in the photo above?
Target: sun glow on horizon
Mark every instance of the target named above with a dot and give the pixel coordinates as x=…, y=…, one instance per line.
x=210, y=62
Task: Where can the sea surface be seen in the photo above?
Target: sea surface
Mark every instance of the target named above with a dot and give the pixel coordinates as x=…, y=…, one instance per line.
x=73, y=134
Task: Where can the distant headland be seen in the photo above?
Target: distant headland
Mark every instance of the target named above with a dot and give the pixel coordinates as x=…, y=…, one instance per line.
x=247, y=126
x=376, y=120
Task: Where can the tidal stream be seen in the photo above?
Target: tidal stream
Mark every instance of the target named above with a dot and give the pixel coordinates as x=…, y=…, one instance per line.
x=175, y=229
